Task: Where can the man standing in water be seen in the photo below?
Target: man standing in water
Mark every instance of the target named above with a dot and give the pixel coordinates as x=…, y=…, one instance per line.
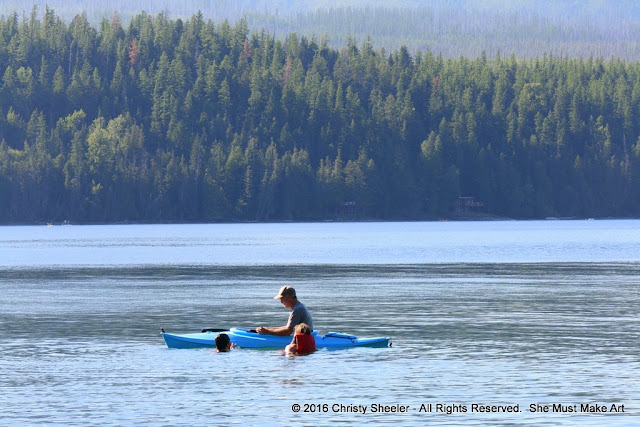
x=299, y=313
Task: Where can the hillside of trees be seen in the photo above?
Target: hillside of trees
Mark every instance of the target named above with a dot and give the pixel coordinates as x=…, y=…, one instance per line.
x=584, y=28
x=190, y=120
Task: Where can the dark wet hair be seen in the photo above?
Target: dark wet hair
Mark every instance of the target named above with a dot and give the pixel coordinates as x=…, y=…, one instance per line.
x=222, y=342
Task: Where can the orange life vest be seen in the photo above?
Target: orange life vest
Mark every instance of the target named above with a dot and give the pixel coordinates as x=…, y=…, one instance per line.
x=305, y=343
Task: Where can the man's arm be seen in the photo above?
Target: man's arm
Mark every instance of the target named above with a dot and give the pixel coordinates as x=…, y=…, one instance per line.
x=280, y=330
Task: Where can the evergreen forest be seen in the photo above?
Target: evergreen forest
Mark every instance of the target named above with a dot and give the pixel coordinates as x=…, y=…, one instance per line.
x=528, y=29
x=185, y=120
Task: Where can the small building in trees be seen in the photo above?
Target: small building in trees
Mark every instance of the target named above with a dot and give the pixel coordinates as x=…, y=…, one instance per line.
x=347, y=211
x=469, y=204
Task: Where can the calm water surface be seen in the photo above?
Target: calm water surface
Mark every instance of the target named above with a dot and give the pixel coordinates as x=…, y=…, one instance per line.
x=494, y=313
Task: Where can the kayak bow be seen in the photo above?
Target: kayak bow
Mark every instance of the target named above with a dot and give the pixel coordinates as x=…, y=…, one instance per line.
x=245, y=338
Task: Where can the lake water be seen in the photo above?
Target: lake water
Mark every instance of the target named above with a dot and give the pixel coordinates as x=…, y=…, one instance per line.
x=534, y=314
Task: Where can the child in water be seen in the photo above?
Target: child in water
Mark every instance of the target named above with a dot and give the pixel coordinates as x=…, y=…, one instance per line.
x=223, y=343
x=303, y=342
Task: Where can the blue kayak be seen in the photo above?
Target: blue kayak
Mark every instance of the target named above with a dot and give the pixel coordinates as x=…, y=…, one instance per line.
x=245, y=338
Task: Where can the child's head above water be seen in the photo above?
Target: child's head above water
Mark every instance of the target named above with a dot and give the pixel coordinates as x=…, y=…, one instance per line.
x=302, y=328
x=223, y=343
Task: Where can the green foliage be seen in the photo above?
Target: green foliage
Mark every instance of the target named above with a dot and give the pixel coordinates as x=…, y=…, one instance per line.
x=189, y=120
x=452, y=28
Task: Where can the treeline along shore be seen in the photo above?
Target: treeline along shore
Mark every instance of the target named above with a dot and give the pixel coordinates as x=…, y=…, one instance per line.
x=189, y=120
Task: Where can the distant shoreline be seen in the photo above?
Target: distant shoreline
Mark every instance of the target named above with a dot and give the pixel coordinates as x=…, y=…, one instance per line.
x=456, y=218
